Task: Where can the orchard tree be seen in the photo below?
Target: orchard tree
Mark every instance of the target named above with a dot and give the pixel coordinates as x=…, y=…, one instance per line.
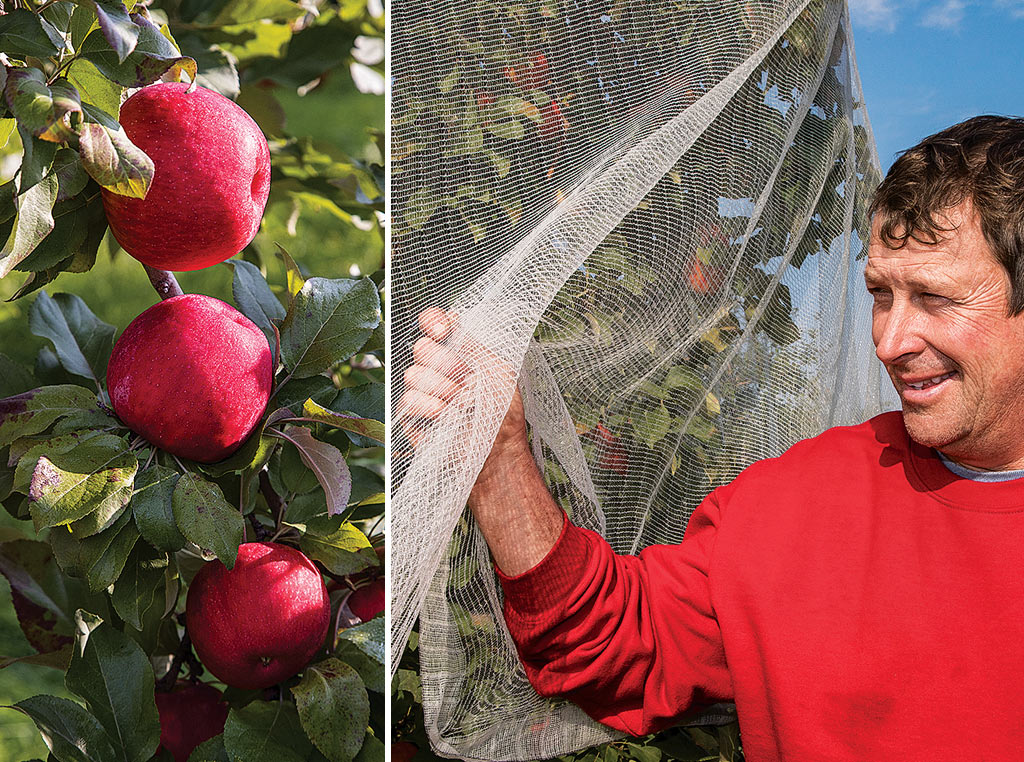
x=196, y=508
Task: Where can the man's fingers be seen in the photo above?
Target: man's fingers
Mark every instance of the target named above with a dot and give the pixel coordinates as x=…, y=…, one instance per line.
x=418, y=405
x=431, y=382
x=428, y=353
x=436, y=323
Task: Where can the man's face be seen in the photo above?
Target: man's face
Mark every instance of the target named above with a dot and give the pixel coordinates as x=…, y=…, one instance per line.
x=942, y=329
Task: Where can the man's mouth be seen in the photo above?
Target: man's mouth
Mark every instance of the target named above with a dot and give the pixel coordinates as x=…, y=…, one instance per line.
x=929, y=382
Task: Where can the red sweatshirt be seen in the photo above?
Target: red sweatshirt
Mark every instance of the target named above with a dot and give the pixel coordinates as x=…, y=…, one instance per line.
x=853, y=597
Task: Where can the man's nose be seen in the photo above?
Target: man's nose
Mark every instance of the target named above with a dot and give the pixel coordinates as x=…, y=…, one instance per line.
x=898, y=332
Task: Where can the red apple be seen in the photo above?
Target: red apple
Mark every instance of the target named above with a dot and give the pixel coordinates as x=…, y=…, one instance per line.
x=613, y=455
x=192, y=375
x=189, y=714
x=537, y=75
x=703, y=279
x=211, y=180
x=367, y=601
x=403, y=751
x=552, y=123
x=262, y=621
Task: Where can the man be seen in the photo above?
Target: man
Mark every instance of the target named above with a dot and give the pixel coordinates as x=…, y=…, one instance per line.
x=860, y=597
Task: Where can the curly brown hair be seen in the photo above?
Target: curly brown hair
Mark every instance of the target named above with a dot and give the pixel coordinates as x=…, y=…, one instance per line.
x=980, y=161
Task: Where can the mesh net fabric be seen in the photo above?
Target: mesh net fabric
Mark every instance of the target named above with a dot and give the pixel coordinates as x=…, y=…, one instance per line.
x=654, y=213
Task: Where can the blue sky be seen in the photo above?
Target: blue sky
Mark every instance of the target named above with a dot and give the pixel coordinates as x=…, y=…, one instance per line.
x=927, y=65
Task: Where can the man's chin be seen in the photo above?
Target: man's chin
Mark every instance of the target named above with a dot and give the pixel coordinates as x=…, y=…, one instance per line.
x=929, y=429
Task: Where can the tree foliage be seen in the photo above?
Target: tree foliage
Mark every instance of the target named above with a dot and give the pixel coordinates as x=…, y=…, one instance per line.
x=107, y=531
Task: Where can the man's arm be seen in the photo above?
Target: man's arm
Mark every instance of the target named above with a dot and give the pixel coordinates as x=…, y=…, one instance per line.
x=518, y=517
x=633, y=640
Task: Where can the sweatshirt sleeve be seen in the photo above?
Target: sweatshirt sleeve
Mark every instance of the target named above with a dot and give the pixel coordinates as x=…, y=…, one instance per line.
x=633, y=640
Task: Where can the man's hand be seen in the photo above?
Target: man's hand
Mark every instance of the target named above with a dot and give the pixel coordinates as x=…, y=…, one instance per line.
x=511, y=503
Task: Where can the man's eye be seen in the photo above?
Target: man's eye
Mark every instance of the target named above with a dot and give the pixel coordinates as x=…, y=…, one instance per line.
x=935, y=298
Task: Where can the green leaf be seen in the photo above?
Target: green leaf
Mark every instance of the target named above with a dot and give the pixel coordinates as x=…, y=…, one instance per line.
x=15, y=378
x=289, y=474
x=340, y=546
x=96, y=90
x=111, y=159
x=22, y=34
x=71, y=176
x=265, y=732
x=302, y=508
x=367, y=427
x=117, y=27
x=73, y=221
x=6, y=130
x=135, y=590
x=327, y=322
x=216, y=68
x=33, y=220
x=41, y=594
x=293, y=394
x=83, y=21
x=70, y=732
x=206, y=518
x=114, y=676
x=327, y=462
x=99, y=558
x=362, y=647
x=32, y=412
x=82, y=341
x=50, y=111
x=153, y=508
x=211, y=750
x=28, y=450
x=94, y=418
x=254, y=298
x=36, y=160
x=245, y=11
x=510, y=129
x=643, y=753
x=153, y=57
x=334, y=708
x=317, y=49
x=372, y=751
x=650, y=426
x=94, y=479
x=292, y=272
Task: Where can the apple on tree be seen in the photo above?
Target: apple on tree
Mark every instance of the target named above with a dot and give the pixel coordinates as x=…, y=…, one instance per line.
x=210, y=184
x=189, y=714
x=262, y=621
x=191, y=375
x=367, y=601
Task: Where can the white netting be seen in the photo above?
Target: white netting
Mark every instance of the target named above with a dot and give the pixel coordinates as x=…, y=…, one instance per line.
x=654, y=208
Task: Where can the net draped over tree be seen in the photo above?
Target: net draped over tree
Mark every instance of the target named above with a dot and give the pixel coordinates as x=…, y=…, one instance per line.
x=657, y=211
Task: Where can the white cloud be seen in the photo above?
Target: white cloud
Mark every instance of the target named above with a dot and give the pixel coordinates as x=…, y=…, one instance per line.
x=874, y=14
x=1015, y=7
x=946, y=15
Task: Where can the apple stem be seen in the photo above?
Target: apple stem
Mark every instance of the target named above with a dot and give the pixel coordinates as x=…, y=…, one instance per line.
x=261, y=531
x=164, y=282
x=183, y=654
x=272, y=498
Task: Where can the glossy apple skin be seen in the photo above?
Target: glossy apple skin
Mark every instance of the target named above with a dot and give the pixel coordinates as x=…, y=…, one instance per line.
x=211, y=179
x=367, y=601
x=189, y=714
x=192, y=375
x=262, y=621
